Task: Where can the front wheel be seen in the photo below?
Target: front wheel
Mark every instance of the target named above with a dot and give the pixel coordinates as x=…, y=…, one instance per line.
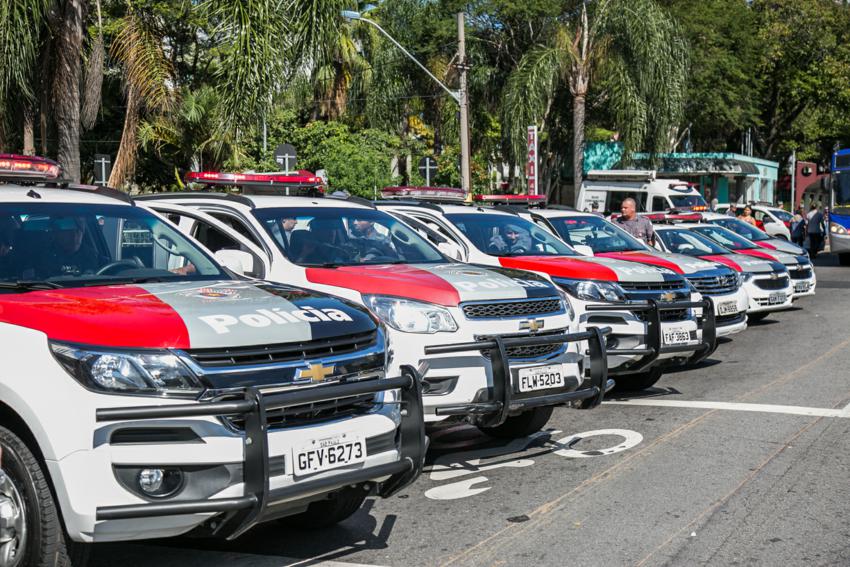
x=33, y=533
x=521, y=425
x=638, y=381
x=326, y=513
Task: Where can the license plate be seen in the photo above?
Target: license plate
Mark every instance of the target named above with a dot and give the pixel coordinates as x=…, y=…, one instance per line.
x=801, y=287
x=540, y=378
x=776, y=298
x=329, y=453
x=727, y=308
x=676, y=336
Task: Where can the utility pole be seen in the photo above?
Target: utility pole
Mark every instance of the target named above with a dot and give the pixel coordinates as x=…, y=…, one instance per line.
x=466, y=178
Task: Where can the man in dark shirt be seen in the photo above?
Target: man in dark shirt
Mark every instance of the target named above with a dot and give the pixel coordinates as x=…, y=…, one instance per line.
x=639, y=227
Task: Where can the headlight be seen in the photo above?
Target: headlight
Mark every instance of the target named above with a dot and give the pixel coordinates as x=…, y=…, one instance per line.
x=411, y=316
x=565, y=299
x=128, y=372
x=589, y=290
x=836, y=228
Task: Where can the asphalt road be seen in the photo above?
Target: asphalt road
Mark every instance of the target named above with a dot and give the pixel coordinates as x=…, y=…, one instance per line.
x=742, y=461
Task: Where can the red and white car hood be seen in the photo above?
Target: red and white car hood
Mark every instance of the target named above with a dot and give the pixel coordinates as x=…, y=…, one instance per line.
x=584, y=268
x=775, y=256
x=444, y=284
x=679, y=263
x=184, y=315
x=742, y=263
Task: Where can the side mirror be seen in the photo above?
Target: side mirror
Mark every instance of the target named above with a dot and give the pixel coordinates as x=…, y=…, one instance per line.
x=583, y=249
x=237, y=261
x=451, y=250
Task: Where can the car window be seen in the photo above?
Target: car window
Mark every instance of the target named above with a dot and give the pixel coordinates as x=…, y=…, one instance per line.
x=616, y=198
x=687, y=201
x=599, y=234
x=689, y=243
x=659, y=204
x=507, y=235
x=784, y=216
x=237, y=225
x=84, y=244
x=215, y=240
x=331, y=236
x=746, y=230
x=725, y=238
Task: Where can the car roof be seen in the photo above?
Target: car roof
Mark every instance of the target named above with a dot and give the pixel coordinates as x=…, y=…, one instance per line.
x=15, y=193
x=257, y=201
x=561, y=213
x=448, y=209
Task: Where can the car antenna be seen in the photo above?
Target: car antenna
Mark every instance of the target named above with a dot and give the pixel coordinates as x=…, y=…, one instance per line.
x=33, y=194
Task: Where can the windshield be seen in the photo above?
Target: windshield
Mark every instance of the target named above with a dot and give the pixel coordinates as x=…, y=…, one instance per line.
x=725, y=237
x=507, y=235
x=746, y=230
x=687, y=201
x=841, y=183
x=70, y=245
x=596, y=232
x=341, y=236
x=681, y=241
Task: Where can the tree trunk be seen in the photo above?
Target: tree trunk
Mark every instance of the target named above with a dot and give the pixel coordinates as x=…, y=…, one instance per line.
x=66, y=86
x=29, y=130
x=125, y=161
x=578, y=142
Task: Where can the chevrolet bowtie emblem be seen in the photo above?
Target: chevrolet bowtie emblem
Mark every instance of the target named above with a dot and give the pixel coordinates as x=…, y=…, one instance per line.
x=669, y=296
x=532, y=325
x=316, y=372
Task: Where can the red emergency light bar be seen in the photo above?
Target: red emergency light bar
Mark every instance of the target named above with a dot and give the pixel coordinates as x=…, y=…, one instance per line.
x=17, y=166
x=304, y=183
x=511, y=199
x=440, y=194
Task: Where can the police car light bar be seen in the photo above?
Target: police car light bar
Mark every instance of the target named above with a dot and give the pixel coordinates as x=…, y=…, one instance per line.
x=28, y=167
x=305, y=183
x=434, y=194
x=622, y=174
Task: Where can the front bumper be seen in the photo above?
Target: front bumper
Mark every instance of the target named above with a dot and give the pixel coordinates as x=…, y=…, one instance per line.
x=804, y=287
x=503, y=399
x=730, y=323
x=760, y=299
x=257, y=503
x=654, y=351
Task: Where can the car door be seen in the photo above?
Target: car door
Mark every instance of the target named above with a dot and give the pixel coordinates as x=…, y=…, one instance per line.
x=213, y=234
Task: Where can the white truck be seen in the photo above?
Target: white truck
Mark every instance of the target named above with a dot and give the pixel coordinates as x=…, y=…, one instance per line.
x=146, y=393
x=609, y=188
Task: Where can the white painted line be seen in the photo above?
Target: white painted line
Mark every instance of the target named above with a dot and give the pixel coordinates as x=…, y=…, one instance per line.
x=731, y=406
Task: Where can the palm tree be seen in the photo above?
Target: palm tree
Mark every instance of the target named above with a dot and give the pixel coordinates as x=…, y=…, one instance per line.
x=632, y=47
x=66, y=22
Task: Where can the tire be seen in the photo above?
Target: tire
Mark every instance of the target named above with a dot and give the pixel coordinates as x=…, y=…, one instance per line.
x=45, y=544
x=639, y=381
x=521, y=425
x=756, y=317
x=844, y=259
x=326, y=513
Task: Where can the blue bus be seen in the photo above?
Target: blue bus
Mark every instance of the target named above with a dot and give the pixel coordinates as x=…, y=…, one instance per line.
x=839, y=211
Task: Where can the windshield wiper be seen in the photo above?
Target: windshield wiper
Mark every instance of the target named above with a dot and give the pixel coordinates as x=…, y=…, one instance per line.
x=29, y=285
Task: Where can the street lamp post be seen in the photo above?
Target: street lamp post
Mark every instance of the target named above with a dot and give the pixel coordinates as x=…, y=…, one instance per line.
x=460, y=97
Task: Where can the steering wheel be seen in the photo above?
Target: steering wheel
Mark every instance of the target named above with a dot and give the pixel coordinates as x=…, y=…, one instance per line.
x=105, y=270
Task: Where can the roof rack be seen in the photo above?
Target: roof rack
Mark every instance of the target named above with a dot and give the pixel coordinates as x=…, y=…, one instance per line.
x=198, y=194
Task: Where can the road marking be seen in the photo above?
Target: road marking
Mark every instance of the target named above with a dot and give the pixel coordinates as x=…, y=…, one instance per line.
x=630, y=439
x=733, y=406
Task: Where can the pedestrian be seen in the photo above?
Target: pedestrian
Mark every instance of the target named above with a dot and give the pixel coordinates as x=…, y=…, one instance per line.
x=815, y=231
x=639, y=227
x=748, y=217
x=798, y=228
x=594, y=209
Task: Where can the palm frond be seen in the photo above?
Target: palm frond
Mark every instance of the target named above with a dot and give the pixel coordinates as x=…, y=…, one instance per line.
x=138, y=45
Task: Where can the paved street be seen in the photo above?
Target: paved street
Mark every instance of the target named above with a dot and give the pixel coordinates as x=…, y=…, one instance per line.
x=741, y=461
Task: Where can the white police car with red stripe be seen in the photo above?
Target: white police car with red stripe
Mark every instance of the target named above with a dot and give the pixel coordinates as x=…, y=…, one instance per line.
x=146, y=393
x=497, y=347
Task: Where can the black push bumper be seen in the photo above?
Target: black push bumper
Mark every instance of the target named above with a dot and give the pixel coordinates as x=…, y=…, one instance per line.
x=654, y=344
x=254, y=506
x=503, y=400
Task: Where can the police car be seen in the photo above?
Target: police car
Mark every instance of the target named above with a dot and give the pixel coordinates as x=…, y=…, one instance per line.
x=751, y=233
x=499, y=347
x=766, y=282
x=147, y=393
x=653, y=312
x=775, y=222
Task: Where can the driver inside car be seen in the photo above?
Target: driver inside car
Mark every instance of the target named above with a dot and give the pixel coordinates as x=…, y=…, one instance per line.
x=70, y=253
x=377, y=244
x=514, y=241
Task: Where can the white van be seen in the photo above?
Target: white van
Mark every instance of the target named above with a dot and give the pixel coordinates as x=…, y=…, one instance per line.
x=609, y=188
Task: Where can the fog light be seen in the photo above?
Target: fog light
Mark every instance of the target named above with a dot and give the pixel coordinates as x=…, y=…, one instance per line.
x=160, y=483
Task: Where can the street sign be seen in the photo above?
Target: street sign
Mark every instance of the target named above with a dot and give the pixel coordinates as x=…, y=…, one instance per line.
x=285, y=156
x=102, y=169
x=531, y=162
x=427, y=169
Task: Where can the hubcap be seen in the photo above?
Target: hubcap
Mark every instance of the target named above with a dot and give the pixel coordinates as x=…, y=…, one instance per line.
x=13, y=526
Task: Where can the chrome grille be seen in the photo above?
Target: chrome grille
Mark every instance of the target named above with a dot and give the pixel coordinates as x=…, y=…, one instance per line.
x=497, y=310
x=778, y=283
x=650, y=286
x=666, y=315
x=527, y=352
x=715, y=285
x=287, y=352
x=800, y=274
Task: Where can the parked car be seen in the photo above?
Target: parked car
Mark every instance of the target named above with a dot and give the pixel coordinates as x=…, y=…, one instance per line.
x=775, y=222
x=752, y=233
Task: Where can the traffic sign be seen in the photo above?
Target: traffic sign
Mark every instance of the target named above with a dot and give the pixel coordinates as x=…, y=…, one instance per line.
x=285, y=156
x=102, y=169
x=427, y=169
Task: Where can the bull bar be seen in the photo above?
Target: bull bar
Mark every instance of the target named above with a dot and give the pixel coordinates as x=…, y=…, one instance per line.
x=502, y=400
x=654, y=343
x=254, y=506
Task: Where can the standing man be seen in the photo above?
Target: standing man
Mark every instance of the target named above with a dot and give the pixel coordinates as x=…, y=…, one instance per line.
x=594, y=209
x=639, y=227
x=815, y=230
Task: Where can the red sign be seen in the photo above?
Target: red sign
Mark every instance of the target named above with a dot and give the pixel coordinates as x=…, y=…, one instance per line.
x=531, y=162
